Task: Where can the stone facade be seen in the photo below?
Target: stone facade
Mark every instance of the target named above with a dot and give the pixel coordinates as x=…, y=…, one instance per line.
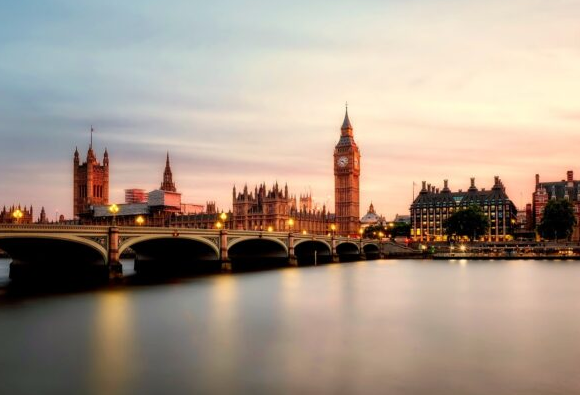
x=264, y=209
x=90, y=182
x=346, y=181
x=7, y=215
x=568, y=189
x=432, y=207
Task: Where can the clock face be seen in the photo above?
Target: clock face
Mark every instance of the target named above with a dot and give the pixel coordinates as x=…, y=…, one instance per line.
x=342, y=161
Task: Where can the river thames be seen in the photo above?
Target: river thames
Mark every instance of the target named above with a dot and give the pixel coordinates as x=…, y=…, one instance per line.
x=389, y=326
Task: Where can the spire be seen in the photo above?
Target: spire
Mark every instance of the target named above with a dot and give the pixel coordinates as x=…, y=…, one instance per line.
x=346, y=123
x=90, y=154
x=167, y=184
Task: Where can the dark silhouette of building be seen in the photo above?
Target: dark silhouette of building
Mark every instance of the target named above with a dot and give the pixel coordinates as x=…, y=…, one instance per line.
x=168, y=184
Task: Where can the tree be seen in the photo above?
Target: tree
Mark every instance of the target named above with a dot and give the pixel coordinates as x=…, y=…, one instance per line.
x=558, y=220
x=390, y=230
x=374, y=231
x=470, y=222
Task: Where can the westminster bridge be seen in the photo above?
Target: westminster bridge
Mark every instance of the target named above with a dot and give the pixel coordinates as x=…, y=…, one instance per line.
x=97, y=250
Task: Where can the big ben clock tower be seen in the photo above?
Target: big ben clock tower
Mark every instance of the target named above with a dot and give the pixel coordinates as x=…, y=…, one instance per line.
x=346, y=181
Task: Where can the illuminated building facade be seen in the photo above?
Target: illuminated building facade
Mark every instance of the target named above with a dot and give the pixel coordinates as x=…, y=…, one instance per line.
x=157, y=209
x=26, y=215
x=346, y=181
x=433, y=206
x=90, y=181
x=568, y=189
x=275, y=209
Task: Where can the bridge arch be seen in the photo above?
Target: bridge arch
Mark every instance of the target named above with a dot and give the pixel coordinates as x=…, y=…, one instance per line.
x=348, y=251
x=58, y=258
x=257, y=252
x=372, y=251
x=145, y=238
x=166, y=254
x=311, y=251
x=245, y=239
x=317, y=241
x=347, y=247
x=12, y=244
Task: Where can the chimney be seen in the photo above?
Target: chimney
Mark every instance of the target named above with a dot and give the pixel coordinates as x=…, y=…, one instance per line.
x=445, y=184
x=570, y=175
x=424, y=185
x=472, y=182
x=537, y=179
x=496, y=180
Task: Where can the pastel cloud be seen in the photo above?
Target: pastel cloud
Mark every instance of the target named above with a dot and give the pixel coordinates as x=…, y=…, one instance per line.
x=252, y=91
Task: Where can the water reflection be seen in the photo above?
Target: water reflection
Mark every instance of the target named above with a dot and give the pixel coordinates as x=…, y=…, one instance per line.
x=402, y=327
x=113, y=357
x=219, y=351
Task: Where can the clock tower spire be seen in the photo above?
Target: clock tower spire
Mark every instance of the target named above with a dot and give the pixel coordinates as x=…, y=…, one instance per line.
x=346, y=180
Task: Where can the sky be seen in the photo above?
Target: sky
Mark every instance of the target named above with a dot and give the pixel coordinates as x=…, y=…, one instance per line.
x=254, y=91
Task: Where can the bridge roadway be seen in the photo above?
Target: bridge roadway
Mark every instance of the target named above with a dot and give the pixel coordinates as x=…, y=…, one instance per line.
x=46, y=248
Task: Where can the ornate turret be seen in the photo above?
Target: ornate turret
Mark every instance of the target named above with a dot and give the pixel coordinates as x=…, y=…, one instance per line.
x=91, y=158
x=106, y=158
x=167, y=184
x=43, y=219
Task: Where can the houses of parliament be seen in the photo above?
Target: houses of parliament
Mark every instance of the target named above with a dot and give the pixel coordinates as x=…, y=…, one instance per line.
x=260, y=208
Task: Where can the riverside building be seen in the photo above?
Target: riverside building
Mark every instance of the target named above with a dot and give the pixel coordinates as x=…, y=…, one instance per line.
x=568, y=189
x=433, y=206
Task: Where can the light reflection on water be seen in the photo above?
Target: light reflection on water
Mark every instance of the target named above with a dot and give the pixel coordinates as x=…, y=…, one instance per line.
x=397, y=327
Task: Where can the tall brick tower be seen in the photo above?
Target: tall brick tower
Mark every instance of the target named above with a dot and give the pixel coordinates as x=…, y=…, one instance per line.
x=90, y=181
x=346, y=181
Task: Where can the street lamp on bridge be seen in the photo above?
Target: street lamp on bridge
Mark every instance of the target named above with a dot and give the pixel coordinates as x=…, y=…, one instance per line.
x=381, y=235
x=114, y=209
x=291, y=225
x=224, y=217
x=140, y=220
x=333, y=229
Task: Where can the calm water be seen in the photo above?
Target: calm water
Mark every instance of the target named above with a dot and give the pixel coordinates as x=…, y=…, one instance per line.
x=393, y=327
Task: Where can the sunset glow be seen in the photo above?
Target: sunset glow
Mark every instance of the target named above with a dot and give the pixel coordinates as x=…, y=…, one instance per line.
x=245, y=92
